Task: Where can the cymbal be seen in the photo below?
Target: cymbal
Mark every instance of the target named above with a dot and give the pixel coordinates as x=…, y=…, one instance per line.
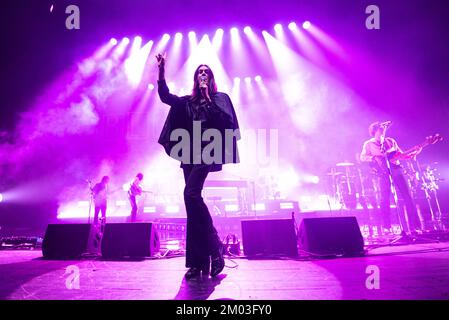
x=344, y=164
x=334, y=173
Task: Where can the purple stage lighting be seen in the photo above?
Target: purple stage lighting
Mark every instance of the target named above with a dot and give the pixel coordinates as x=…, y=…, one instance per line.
x=247, y=30
x=178, y=36
x=1, y=197
x=278, y=27
x=236, y=79
x=192, y=34
x=234, y=31
x=306, y=25
x=166, y=37
x=151, y=86
x=258, y=78
x=51, y=8
x=138, y=39
x=248, y=79
x=125, y=40
x=113, y=41
x=292, y=26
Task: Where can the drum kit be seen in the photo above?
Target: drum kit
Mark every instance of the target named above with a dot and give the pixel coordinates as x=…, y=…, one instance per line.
x=353, y=184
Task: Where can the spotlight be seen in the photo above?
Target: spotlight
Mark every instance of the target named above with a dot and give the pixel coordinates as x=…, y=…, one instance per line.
x=258, y=78
x=247, y=30
x=292, y=26
x=138, y=39
x=219, y=31
x=278, y=27
x=151, y=86
x=192, y=34
x=51, y=8
x=1, y=197
x=178, y=36
x=166, y=36
x=237, y=79
x=306, y=25
x=248, y=79
x=113, y=41
x=125, y=40
x=234, y=31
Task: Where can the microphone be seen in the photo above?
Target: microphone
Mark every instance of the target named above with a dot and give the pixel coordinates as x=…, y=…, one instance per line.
x=203, y=79
x=386, y=124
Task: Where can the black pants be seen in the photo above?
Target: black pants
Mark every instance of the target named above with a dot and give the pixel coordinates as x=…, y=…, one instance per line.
x=100, y=209
x=202, y=237
x=133, y=202
x=403, y=191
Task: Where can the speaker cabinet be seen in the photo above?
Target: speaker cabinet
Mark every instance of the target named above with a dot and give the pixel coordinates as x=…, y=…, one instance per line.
x=269, y=237
x=133, y=240
x=70, y=241
x=331, y=236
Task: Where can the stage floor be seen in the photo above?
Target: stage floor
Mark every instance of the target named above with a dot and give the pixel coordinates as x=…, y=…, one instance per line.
x=419, y=271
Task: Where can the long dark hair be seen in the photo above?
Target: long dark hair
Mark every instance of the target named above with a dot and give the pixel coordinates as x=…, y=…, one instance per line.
x=196, y=92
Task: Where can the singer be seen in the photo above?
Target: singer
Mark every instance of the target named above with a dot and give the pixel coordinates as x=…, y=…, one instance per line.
x=376, y=151
x=214, y=110
x=100, y=195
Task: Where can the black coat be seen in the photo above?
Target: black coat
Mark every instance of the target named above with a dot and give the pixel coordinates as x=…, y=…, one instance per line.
x=220, y=115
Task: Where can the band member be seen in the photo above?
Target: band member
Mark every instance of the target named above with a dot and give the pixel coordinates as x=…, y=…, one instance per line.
x=134, y=191
x=376, y=151
x=100, y=195
x=213, y=110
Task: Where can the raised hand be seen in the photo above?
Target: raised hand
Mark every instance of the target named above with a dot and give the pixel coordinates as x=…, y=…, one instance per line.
x=161, y=59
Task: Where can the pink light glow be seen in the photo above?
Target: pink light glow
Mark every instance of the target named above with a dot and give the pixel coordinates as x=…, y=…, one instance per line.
x=306, y=25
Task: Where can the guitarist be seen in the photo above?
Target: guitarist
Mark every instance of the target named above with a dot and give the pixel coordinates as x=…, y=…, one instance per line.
x=374, y=151
x=134, y=191
x=100, y=195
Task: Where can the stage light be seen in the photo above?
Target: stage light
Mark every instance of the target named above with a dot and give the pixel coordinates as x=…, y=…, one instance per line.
x=292, y=25
x=236, y=80
x=151, y=86
x=286, y=205
x=125, y=40
x=278, y=27
x=234, y=31
x=306, y=25
x=178, y=36
x=247, y=30
x=151, y=209
x=82, y=204
x=1, y=197
x=120, y=203
x=113, y=41
x=172, y=209
x=258, y=207
x=173, y=245
x=138, y=39
x=51, y=8
x=258, y=78
x=192, y=34
x=218, y=39
x=165, y=37
x=231, y=207
x=248, y=79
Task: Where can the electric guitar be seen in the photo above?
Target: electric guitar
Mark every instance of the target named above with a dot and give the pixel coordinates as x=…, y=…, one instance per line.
x=379, y=164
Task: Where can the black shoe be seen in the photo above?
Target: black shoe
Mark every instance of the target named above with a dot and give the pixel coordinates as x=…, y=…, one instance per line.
x=205, y=269
x=193, y=273
x=218, y=262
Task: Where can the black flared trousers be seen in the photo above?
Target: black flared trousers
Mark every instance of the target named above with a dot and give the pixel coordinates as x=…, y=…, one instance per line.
x=202, y=238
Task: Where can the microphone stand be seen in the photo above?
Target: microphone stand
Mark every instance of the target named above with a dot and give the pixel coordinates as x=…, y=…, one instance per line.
x=91, y=199
x=394, y=191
